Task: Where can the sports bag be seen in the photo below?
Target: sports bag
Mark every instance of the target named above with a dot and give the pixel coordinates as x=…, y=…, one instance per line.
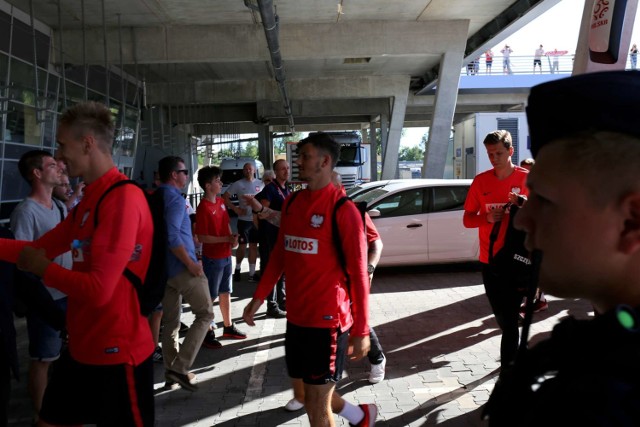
x=513, y=260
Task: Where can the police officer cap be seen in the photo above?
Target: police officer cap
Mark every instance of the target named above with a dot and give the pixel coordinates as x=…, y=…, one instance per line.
x=603, y=101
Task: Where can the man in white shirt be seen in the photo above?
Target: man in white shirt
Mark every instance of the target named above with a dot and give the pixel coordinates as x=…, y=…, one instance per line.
x=248, y=234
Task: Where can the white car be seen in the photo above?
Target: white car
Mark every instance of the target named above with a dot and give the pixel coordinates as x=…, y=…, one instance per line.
x=420, y=221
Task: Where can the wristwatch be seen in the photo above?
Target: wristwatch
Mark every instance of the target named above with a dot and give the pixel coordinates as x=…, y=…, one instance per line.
x=371, y=268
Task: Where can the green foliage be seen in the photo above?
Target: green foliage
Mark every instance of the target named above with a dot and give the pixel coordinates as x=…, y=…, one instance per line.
x=411, y=153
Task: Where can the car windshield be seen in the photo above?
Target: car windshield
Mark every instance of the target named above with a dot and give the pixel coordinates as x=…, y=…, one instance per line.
x=370, y=195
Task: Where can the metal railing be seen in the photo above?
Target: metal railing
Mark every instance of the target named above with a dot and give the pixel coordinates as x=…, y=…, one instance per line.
x=562, y=64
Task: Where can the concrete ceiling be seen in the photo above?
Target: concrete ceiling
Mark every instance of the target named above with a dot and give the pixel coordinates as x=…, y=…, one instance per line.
x=214, y=52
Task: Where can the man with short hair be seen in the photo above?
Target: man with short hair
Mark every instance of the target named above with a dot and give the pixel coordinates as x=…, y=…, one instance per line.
x=272, y=196
x=583, y=227
x=30, y=220
x=537, y=59
x=247, y=232
x=63, y=191
x=107, y=377
x=186, y=279
x=327, y=313
x=490, y=191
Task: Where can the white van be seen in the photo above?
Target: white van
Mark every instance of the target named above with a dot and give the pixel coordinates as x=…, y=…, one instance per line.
x=232, y=171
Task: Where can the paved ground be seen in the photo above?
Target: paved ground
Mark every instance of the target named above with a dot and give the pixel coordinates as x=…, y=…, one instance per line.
x=434, y=324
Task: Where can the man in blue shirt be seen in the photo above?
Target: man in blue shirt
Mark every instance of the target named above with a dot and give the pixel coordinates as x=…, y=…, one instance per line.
x=272, y=196
x=186, y=279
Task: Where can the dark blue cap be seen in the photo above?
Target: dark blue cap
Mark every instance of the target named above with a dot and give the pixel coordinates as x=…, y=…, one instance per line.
x=603, y=101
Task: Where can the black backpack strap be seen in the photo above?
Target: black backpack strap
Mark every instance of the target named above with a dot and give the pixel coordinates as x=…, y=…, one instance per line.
x=292, y=197
x=60, y=208
x=131, y=276
x=494, y=233
x=337, y=242
x=114, y=186
x=493, y=237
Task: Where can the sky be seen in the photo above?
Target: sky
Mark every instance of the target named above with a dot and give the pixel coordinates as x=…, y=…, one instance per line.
x=557, y=28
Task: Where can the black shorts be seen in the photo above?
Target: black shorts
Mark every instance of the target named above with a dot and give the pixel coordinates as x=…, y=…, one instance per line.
x=317, y=355
x=106, y=395
x=537, y=61
x=247, y=232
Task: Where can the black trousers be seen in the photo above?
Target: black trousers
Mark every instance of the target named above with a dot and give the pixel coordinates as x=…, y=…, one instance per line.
x=278, y=296
x=505, y=302
x=5, y=384
x=375, y=354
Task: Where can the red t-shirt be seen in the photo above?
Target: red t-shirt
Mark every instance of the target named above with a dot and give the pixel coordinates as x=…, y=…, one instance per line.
x=372, y=231
x=305, y=253
x=103, y=314
x=212, y=219
x=488, y=192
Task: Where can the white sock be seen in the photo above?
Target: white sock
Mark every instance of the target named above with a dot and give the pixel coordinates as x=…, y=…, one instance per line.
x=252, y=269
x=354, y=414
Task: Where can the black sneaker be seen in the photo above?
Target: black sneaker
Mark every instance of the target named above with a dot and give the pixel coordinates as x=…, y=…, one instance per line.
x=233, y=332
x=210, y=341
x=182, y=379
x=254, y=278
x=236, y=276
x=276, y=313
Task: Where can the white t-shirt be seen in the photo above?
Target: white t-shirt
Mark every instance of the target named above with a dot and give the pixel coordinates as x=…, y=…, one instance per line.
x=244, y=186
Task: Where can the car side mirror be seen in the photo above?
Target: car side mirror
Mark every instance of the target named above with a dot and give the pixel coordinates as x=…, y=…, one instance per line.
x=374, y=213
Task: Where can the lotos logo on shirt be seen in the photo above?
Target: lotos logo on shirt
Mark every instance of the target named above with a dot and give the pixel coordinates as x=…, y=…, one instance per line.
x=301, y=245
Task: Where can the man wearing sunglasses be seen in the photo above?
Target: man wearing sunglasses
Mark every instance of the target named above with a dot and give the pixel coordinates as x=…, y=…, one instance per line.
x=186, y=279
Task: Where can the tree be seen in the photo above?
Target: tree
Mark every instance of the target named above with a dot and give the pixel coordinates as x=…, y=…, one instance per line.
x=411, y=153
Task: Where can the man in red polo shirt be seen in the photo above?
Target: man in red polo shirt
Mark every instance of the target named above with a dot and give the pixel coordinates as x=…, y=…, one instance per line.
x=107, y=377
x=325, y=316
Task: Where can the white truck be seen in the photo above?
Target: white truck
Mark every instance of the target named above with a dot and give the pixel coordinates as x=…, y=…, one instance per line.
x=469, y=155
x=353, y=164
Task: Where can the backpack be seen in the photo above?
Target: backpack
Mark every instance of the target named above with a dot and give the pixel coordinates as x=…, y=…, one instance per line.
x=513, y=260
x=362, y=208
x=151, y=291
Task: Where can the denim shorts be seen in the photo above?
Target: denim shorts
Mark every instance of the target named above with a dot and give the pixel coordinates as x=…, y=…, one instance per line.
x=44, y=341
x=218, y=272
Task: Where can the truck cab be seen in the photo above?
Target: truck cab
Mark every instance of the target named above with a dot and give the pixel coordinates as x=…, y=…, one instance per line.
x=353, y=161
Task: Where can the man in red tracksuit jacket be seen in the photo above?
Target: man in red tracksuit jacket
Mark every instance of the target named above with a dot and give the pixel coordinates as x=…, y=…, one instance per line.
x=107, y=377
x=325, y=317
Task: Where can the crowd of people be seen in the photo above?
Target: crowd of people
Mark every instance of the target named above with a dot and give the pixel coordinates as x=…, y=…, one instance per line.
x=84, y=316
x=553, y=61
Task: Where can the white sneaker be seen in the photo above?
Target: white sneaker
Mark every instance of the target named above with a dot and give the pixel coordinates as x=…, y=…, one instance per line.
x=377, y=372
x=293, y=405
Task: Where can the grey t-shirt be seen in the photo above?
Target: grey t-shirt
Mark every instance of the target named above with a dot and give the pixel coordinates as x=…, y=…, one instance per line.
x=30, y=220
x=243, y=186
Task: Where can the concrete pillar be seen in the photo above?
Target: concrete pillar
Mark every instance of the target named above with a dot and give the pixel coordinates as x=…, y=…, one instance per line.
x=444, y=108
x=384, y=134
x=390, y=158
x=374, y=151
x=265, y=146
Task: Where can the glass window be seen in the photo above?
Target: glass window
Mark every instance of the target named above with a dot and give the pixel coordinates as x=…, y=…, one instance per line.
x=370, y=195
x=22, y=125
x=4, y=63
x=6, y=209
x=408, y=202
x=449, y=198
x=5, y=31
x=22, y=44
x=14, y=187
